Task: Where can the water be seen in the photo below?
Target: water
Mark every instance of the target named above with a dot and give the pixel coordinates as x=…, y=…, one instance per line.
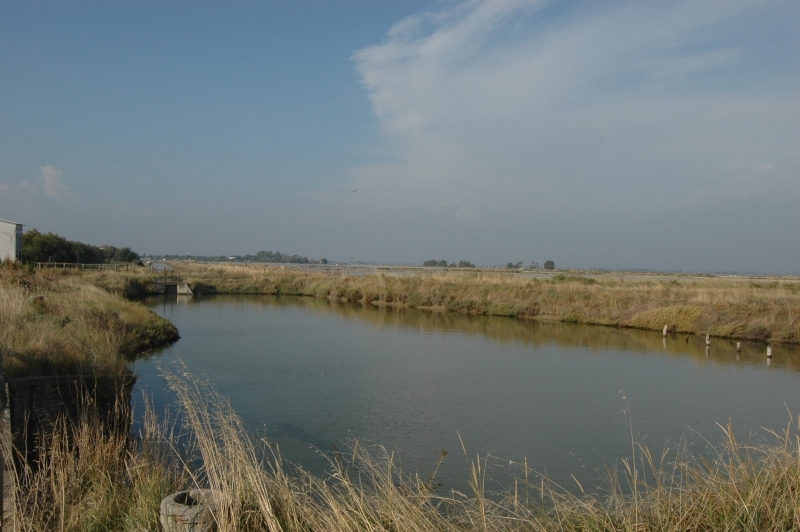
x=307, y=374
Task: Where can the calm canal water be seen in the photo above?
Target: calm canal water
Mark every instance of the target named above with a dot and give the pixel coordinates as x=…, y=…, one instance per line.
x=307, y=374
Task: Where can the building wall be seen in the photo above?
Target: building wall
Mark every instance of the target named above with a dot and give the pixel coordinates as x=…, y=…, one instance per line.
x=10, y=240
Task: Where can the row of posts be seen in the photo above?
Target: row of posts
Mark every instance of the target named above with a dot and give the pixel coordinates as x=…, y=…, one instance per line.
x=708, y=345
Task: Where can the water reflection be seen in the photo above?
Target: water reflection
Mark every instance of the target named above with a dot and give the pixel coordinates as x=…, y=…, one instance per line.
x=528, y=332
x=309, y=373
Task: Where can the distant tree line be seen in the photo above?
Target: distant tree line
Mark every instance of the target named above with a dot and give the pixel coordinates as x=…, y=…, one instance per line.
x=433, y=263
x=49, y=247
x=269, y=256
x=548, y=265
x=261, y=256
x=444, y=264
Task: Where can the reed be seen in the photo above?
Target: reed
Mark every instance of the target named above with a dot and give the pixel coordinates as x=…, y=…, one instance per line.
x=57, y=322
x=764, y=310
x=90, y=478
x=107, y=483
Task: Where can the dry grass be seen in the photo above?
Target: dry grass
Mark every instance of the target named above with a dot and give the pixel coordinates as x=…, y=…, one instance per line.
x=117, y=486
x=90, y=478
x=56, y=322
x=724, y=307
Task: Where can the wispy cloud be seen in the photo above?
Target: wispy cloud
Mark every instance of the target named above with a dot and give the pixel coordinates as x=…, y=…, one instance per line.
x=53, y=186
x=535, y=108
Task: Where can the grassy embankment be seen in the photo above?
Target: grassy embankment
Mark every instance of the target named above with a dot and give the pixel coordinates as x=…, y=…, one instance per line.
x=766, y=310
x=59, y=322
x=119, y=484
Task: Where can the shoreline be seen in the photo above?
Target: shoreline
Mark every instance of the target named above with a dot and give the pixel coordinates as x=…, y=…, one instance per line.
x=753, y=309
x=64, y=324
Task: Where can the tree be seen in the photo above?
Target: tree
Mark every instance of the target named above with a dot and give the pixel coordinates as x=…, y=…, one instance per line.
x=534, y=265
x=87, y=254
x=510, y=265
x=126, y=255
x=465, y=264
x=549, y=265
x=109, y=253
x=38, y=247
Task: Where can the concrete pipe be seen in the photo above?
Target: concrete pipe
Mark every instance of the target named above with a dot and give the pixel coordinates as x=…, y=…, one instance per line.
x=189, y=511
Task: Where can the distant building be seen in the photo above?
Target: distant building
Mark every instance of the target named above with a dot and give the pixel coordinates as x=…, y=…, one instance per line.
x=10, y=240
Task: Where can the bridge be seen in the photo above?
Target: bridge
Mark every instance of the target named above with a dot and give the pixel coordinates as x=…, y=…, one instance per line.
x=172, y=283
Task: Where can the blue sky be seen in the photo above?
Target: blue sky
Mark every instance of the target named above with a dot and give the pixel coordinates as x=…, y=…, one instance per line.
x=660, y=135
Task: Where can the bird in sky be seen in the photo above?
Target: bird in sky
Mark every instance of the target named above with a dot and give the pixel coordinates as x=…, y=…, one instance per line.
x=354, y=190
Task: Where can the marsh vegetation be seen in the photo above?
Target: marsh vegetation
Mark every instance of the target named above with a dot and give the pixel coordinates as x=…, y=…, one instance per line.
x=59, y=322
x=119, y=483
x=751, y=309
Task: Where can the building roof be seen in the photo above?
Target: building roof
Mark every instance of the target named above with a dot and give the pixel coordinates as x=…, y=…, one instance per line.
x=10, y=222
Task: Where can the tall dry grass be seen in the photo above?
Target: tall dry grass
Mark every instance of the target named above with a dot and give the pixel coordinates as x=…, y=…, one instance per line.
x=766, y=310
x=55, y=322
x=91, y=479
x=732, y=487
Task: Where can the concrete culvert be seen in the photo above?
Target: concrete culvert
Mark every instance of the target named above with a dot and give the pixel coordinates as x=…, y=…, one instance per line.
x=189, y=511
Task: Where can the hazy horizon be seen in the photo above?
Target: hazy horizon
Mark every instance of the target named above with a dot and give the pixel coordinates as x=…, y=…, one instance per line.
x=615, y=135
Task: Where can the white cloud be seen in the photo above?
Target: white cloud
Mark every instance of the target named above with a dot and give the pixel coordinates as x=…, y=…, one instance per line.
x=464, y=214
x=585, y=114
x=26, y=187
x=50, y=176
x=5, y=187
x=507, y=105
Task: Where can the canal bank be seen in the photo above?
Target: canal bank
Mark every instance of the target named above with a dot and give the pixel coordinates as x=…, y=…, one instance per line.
x=759, y=309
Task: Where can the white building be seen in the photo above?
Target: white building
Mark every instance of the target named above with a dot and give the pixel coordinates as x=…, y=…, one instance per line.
x=10, y=240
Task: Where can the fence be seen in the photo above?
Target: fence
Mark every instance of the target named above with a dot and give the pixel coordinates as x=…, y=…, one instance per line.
x=79, y=266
